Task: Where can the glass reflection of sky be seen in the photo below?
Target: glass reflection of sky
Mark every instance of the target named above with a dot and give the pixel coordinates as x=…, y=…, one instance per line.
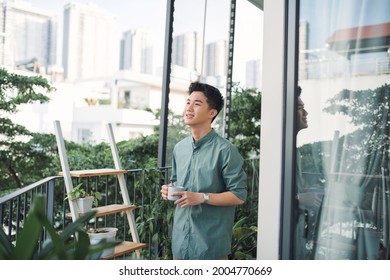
x=325, y=17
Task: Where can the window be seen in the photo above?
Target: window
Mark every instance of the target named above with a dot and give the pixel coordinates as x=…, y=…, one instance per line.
x=343, y=132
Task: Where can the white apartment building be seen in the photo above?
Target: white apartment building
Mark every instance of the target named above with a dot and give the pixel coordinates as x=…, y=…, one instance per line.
x=215, y=59
x=84, y=108
x=136, y=51
x=187, y=51
x=28, y=36
x=90, y=44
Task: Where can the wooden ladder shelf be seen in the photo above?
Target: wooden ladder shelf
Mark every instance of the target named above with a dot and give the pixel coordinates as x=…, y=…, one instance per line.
x=127, y=207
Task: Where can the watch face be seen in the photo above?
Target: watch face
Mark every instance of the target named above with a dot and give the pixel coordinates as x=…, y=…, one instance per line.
x=206, y=197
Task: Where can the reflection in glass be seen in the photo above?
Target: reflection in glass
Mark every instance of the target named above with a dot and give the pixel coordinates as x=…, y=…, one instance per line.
x=343, y=159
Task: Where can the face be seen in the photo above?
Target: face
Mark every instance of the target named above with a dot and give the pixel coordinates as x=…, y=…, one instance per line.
x=301, y=115
x=197, y=111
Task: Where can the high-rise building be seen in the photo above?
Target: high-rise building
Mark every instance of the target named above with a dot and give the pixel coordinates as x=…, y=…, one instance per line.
x=303, y=48
x=187, y=51
x=253, y=74
x=215, y=62
x=90, y=44
x=28, y=36
x=136, y=52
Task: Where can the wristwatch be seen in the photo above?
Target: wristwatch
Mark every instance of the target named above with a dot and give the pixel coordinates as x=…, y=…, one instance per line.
x=206, y=198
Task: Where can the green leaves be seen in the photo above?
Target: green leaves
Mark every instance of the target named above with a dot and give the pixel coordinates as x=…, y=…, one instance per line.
x=61, y=246
x=14, y=91
x=77, y=192
x=245, y=120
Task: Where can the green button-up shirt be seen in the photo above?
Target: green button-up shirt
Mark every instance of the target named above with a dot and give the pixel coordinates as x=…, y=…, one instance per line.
x=210, y=165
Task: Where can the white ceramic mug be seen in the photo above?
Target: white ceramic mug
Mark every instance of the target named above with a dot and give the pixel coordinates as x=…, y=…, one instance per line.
x=173, y=189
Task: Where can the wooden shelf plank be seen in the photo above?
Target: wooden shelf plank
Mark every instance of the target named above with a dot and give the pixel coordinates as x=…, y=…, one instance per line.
x=111, y=209
x=95, y=172
x=124, y=248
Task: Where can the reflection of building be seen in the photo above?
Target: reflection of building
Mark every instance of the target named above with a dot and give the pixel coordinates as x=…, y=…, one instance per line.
x=89, y=46
x=253, y=74
x=136, y=52
x=361, y=40
x=303, y=46
x=361, y=50
x=27, y=36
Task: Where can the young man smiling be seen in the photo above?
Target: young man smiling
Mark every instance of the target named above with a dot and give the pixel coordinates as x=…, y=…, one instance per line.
x=211, y=170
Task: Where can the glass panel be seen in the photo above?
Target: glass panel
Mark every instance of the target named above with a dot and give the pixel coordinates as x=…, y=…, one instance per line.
x=200, y=52
x=343, y=163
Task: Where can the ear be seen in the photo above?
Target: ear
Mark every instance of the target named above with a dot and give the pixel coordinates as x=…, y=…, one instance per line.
x=213, y=113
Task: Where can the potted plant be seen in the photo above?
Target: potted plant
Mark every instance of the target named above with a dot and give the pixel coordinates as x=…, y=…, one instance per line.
x=105, y=234
x=83, y=198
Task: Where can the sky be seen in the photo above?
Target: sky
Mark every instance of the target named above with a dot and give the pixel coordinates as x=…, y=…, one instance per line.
x=189, y=16
x=325, y=17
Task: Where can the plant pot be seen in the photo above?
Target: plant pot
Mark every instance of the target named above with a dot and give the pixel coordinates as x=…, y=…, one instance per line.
x=84, y=204
x=109, y=234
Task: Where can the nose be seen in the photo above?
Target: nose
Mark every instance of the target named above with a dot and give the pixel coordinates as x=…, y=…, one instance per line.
x=189, y=107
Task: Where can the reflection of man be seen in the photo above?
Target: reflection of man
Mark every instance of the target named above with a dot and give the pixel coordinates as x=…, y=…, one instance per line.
x=301, y=113
x=309, y=200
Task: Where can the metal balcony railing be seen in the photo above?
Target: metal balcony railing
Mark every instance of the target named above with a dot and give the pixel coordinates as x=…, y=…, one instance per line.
x=143, y=187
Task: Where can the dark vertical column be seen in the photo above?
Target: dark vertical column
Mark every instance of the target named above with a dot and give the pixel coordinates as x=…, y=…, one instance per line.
x=291, y=77
x=229, y=68
x=162, y=142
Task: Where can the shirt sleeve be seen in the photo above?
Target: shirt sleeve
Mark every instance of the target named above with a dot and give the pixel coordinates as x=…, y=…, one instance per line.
x=234, y=175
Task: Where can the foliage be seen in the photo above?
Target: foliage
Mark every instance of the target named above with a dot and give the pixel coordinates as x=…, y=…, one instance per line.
x=244, y=240
x=137, y=153
x=155, y=216
x=77, y=192
x=15, y=140
x=245, y=120
x=60, y=246
x=367, y=149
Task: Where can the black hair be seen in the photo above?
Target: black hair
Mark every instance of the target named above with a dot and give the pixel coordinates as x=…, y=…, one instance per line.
x=213, y=95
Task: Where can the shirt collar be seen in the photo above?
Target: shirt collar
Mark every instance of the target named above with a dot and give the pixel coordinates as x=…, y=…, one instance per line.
x=204, y=139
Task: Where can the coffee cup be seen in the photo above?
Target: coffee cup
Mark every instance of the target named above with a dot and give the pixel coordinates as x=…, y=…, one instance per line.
x=172, y=190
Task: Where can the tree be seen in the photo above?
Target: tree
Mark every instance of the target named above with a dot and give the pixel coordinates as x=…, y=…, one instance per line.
x=245, y=120
x=15, y=140
x=368, y=147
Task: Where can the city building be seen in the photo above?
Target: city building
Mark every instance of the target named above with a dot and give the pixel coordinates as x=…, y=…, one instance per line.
x=28, y=37
x=187, y=51
x=84, y=108
x=136, y=51
x=90, y=45
x=215, y=59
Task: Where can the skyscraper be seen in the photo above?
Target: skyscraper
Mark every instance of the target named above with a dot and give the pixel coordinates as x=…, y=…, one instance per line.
x=187, y=51
x=27, y=36
x=216, y=59
x=136, y=52
x=90, y=45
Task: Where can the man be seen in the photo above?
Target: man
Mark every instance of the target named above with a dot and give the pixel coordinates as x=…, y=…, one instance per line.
x=211, y=170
